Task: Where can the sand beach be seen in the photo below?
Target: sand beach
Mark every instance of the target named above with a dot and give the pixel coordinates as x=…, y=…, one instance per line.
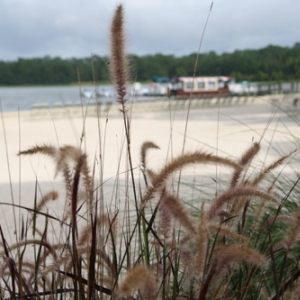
x=226, y=130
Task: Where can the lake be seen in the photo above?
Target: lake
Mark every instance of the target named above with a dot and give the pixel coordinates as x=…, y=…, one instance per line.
x=23, y=98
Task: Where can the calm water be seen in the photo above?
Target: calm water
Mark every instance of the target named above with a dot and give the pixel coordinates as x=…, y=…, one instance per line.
x=23, y=98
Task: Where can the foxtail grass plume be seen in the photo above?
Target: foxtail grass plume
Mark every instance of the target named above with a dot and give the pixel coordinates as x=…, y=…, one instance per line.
x=174, y=208
x=139, y=278
x=52, y=195
x=233, y=194
x=145, y=147
x=269, y=168
x=226, y=257
x=293, y=235
x=182, y=161
x=244, y=160
x=118, y=61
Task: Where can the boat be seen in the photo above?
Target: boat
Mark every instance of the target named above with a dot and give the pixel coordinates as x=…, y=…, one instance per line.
x=244, y=87
x=199, y=86
x=135, y=89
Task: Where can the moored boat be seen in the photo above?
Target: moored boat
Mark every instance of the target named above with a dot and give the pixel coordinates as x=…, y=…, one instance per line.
x=199, y=86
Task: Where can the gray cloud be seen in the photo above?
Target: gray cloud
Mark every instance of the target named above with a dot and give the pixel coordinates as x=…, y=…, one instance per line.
x=77, y=28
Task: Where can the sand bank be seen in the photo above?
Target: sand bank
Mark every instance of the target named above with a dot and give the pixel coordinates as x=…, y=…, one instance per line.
x=224, y=130
x=229, y=129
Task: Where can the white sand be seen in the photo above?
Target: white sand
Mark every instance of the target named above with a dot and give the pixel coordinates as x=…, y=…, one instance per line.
x=229, y=129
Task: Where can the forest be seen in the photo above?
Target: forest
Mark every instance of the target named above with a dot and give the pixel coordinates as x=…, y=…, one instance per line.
x=272, y=63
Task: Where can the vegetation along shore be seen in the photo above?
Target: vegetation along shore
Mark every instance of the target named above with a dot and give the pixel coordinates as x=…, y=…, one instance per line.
x=272, y=63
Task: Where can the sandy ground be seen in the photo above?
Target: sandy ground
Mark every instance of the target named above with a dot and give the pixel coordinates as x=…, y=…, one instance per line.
x=224, y=130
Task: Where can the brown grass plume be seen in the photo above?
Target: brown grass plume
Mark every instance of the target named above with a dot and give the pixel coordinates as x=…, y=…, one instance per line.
x=118, y=61
x=139, y=278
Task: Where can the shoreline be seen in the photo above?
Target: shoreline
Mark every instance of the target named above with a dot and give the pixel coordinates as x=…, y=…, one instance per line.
x=148, y=104
x=226, y=127
x=226, y=131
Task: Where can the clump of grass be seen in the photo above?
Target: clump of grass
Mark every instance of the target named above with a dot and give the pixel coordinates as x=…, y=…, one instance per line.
x=242, y=244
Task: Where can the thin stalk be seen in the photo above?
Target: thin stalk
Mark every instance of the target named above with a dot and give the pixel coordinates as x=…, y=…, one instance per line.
x=273, y=260
x=175, y=274
x=76, y=262
x=145, y=235
x=190, y=96
x=34, y=210
x=164, y=271
x=127, y=133
x=92, y=260
x=37, y=261
x=248, y=281
x=9, y=172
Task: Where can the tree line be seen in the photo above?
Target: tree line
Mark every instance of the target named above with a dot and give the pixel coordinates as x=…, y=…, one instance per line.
x=272, y=63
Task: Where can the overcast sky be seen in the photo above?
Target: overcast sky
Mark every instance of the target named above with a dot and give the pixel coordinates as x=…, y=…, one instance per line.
x=77, y=28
